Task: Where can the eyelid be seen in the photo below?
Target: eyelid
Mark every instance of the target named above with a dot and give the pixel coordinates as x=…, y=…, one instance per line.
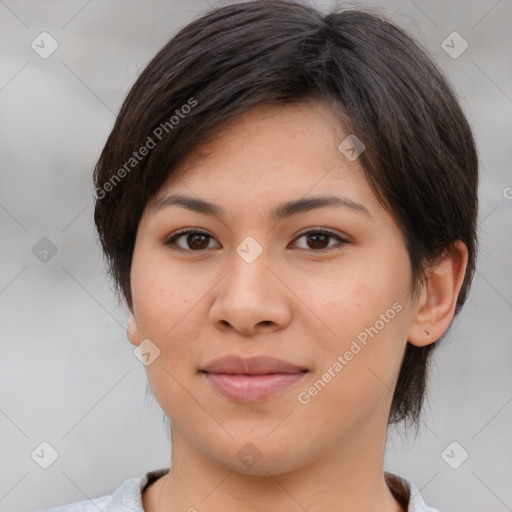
x=171, y=239
x=315, y=229
x=342, y=239
x=319, y=229
x=185, y=231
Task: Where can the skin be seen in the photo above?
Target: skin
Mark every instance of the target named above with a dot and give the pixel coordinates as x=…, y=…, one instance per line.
x=299, y=301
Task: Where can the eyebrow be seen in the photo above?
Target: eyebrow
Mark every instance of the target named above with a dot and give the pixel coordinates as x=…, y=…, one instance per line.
x=281, y=212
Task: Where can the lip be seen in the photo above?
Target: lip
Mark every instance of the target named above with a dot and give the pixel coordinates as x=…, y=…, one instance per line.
x=251, y=379
x=258, y=365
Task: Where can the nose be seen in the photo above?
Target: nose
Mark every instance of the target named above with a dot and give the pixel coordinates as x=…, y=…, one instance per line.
x=251, y=299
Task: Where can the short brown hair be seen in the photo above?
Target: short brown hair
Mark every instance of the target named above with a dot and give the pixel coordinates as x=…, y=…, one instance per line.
x=420, y=156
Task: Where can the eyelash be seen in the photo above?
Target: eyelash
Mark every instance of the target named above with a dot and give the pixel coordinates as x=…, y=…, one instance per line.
x=171, y=241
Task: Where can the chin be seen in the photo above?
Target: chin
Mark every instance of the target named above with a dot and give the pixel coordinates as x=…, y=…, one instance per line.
x=259, y=457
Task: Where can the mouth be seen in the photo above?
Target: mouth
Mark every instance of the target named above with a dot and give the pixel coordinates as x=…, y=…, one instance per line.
x=251, y=379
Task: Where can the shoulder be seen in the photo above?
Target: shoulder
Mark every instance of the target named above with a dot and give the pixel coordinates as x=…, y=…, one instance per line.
x=83, y=506
x=126, y=498
x=407, y=494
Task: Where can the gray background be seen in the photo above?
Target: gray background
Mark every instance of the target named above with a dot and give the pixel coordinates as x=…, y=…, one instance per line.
x=67, y=372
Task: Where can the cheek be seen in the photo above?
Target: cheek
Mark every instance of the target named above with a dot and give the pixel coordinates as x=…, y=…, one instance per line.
x=364, y=305
x=164, y=301
x=350, y=296
x=357, y=363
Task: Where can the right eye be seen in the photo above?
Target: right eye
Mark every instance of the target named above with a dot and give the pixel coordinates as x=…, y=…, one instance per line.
x=194, y=239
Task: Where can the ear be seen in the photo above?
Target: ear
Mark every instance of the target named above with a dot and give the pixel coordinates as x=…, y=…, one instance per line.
x=133, y=330
x=436, y=303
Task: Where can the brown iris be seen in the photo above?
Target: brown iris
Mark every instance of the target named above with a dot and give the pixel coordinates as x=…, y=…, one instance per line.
x=197, y=241
x=318, y=240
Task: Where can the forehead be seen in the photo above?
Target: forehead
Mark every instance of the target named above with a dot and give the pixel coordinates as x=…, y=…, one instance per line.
x=263, y=166
x=278, y=147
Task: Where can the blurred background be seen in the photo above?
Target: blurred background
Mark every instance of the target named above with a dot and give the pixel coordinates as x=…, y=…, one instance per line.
x=68, y=376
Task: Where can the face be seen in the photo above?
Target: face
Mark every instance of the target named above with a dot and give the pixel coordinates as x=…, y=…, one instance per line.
x=321, y=286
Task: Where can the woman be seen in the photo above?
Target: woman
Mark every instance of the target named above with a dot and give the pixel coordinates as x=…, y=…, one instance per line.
x=287, y=203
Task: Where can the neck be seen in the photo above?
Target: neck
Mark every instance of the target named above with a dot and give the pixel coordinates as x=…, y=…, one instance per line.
x=349, y=479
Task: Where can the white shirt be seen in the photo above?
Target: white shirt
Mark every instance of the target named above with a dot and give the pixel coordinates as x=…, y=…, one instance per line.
x=128, y=497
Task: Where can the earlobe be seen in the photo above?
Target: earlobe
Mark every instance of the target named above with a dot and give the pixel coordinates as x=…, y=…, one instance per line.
x=436, y=303
x=132, y=330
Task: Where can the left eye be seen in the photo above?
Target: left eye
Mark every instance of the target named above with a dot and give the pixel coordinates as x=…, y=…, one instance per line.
x=317, y=240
